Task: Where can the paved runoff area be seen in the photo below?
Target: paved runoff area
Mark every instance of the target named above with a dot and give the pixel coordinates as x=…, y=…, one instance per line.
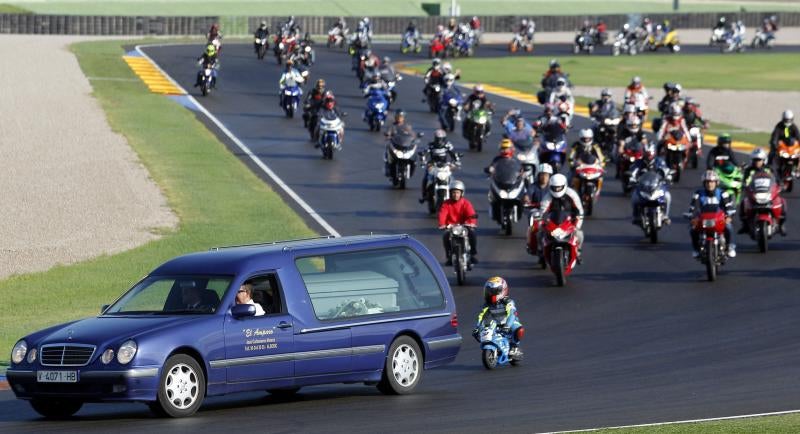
x=70, y=189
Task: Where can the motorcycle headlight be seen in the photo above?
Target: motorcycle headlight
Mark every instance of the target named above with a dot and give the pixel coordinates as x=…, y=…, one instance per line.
x=107, y=357
x=126, y=351
x=709, y=223
x=32, y=355
x=560, y=235
x=457, y=230
x=551, y=146
x=763, y=197
x=207, y=72
x=281, y=46
x=398, y=153
x=258, y=40
x=452, y=102
x=288, y=92
x=379, y=106
x=442, y=176
x=482, y=120
x=503, y=194
x=19, y=351
x=437, y=88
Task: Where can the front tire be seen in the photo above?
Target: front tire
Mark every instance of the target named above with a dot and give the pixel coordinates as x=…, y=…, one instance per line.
x=56, y=408
x=461, y=274
x=182, y=387
x=763, y=239
x=711, y=261
x=560, y=268
x=653, y=231
x=489, y=358
x=402, y=371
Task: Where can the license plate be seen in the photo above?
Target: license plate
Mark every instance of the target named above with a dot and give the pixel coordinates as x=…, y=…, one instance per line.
x=57, y=376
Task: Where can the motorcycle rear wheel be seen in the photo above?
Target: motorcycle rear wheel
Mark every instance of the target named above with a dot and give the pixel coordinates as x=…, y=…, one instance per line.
x=489, y=359
x=763, y=238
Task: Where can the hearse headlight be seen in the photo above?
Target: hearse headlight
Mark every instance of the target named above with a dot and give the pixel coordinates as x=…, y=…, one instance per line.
x=126, y=352
x=32, y=355
x=107, y=357
x=19, y=351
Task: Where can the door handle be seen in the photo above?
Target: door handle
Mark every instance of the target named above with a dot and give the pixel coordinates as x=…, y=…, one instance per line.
x=284, y=325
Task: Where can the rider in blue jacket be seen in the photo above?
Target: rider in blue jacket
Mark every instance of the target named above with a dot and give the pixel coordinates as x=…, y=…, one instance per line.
x=503, y=309
x=712, y=195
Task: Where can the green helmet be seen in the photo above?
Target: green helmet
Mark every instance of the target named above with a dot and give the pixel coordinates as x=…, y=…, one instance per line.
x=211, y=50
x=724, y=139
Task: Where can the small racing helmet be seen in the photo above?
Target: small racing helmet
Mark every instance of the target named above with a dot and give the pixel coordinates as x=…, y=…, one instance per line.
x=626, y=27
x=366, y=20
x=758, y=154
x=708, y=177
x=458, y=185
x=439, y=136
x=263, y=24
x=724, y=139
x=678, y=88
x=554, y=64
x=558, y=185
x=788, y=117
x=586, y=135
x=722, y=19
x=524, y=22
x=495, y=290
x=545, y=168
x=668, y=86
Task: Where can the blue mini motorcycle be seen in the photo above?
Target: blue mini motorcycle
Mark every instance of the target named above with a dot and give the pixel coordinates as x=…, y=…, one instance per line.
x=495, y=344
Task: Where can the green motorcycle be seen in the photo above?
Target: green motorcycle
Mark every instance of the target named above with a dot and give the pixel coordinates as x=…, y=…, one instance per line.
x=730, y=179
x=478, y=126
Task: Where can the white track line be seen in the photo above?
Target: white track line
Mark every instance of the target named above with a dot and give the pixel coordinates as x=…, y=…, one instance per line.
x=273, y=176
x=710, y=419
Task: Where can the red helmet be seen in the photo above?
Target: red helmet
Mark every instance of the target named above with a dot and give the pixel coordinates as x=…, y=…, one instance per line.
x=495, y=290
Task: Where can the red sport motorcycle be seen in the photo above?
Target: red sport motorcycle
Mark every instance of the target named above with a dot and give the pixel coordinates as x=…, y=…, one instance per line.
x=631, y=153
x=437, y=48
x=560, y=246
x=710, y=224
x=589, y=175
x=763, y=209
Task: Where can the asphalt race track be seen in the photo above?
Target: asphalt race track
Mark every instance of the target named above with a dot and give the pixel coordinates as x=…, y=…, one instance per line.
x=637, y=336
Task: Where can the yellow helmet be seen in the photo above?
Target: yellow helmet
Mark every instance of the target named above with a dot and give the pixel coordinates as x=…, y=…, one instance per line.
x=506, y=144
x=211, y=49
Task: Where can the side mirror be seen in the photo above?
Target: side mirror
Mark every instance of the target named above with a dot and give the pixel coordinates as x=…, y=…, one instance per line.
x=239, y=311
x=104, y=307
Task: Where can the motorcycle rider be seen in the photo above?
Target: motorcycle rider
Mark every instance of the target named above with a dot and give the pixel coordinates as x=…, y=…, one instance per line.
x=650, y=162
x=458, y=210
x=477, y=94
x=723, y=24
x=672, y=122
x=627, y=33
x=208, y=59
x=327, y=105
x=290, y=77
x=499, y=304
x=739, y=32
x=601, y=32
x=636, y=88
x=399, y=126
x=758, y=165
x=585, y=143
x=527, y=29
x=672, y=95
x=722, y=152
x=411, y=29
x=632, y=132
x=290, y=27
x=711, y=194
x=505, y=152
x=262, y=32
x=785, y=131
x=692, y=114
x=313, y=102
x=439, y=150
x=564, y=199
x=552, y=127
x=552, y=74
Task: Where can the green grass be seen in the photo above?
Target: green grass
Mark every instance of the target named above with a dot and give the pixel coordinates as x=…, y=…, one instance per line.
x=388, y=8
x=789, y=423
x=12, y=9
x=217, y=198
x=749, y=71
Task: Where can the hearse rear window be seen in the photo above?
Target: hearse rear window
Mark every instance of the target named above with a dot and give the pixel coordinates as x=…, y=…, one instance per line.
x=373, y=282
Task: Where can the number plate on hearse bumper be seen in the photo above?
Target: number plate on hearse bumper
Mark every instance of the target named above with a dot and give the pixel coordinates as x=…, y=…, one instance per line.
x=57, y=376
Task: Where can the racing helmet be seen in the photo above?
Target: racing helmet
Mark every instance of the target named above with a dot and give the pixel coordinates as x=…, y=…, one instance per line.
x=678, y=88
x=709, y=176
x=524, y=22
x=449, y=79
x=478, y=89
x=458, y=185
x=506, y=144
x=561, y=82
x=586, y=135
x=649, y=152
x=211, y=50
x=788, y=117
x=436, y=62
x=636, y=81
x=495, y=290
x=263, y=24
x=399, y=113
x=386, y=60
x=758, y=154
x=724, y=139
x=634, y=124
x=447, y=67
x=545, y=168
x=606, y=92
x=558, y=185
x=439, y=136
x=626, y=27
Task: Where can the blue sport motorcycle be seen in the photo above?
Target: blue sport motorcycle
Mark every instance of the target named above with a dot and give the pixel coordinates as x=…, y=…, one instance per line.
x=377, y=105
x=495, y=344
x=290, y=100
x=651, y=192
x=553, y=153
x=450, y=108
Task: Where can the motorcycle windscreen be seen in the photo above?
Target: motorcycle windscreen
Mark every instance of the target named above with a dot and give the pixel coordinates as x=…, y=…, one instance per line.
x=649, y=181
x=559, y=216
x=403, y=141
x=506, y=173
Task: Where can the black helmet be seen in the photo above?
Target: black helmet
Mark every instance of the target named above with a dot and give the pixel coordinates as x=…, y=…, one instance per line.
x=724, y=139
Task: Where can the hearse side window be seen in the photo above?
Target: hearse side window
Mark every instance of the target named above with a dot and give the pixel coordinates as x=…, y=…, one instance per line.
x=373, y=282
x=172, y=295
x=266, y=293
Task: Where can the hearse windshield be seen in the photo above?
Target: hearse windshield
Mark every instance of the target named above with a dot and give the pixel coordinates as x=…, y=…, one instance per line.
x=160, y=295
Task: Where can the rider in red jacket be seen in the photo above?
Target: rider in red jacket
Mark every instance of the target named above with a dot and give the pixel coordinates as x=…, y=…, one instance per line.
x=458, y=211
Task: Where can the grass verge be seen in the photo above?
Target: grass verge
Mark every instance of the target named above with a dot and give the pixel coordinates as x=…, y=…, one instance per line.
x=788, y=423
x=13, y=9
x=747, y=71
x=217, y=198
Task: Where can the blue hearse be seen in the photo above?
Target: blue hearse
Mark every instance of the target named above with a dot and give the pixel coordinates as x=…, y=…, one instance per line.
x=371, y=309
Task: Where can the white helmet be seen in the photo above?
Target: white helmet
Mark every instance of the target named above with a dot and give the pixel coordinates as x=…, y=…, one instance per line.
x=558, y=185
x=545, y=168
x=758, y=154
x=586, y=133
x=447, y=67
x=458, y=185
x=788, y=117
x=449, y=79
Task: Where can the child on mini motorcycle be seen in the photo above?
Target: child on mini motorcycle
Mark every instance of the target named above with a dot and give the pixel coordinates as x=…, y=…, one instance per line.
x=502, y=308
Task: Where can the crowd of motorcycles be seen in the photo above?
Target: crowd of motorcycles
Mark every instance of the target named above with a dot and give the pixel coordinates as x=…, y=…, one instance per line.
x=532, y=150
